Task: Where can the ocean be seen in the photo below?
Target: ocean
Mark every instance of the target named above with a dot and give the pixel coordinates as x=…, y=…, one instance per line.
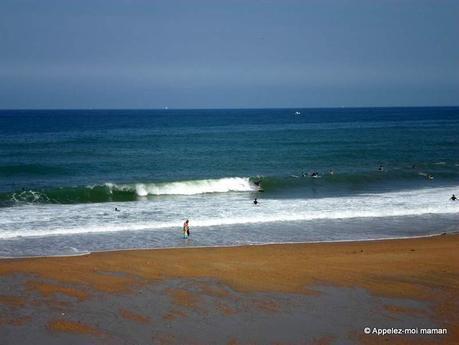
x=382, y=173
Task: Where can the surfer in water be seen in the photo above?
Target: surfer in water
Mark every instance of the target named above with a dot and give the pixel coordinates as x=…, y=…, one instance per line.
x=453, y=198
x=255, y=201
x=258, y=184
x=381, y=167
x=117, y=209
x=186, y=229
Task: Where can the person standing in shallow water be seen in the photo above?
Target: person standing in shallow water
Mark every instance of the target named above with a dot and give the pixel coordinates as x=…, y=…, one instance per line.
x=186, y=229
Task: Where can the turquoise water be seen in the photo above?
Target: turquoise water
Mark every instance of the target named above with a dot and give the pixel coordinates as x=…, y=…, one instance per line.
x=62, y=173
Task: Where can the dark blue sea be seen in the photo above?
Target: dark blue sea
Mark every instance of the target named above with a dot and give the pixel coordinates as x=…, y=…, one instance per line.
x=318, y=175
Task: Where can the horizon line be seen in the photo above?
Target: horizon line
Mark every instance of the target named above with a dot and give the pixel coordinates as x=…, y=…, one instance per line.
x=165, y=108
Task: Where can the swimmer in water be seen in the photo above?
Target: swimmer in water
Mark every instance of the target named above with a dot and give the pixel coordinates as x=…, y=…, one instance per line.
x=453, y=198
x=186, y=229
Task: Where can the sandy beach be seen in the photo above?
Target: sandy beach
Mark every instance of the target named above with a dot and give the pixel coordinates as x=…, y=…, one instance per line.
x=324, y=293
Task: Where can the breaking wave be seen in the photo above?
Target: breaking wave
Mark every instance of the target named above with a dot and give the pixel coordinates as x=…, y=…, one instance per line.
x=109, y=192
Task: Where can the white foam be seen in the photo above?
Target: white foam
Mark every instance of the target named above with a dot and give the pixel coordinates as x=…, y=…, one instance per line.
x=222, y=185
x=212, y=210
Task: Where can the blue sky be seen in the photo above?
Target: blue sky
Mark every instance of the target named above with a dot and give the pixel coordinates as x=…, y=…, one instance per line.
x=217, y=54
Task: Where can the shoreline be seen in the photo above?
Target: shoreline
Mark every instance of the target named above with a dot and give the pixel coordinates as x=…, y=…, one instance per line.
x=455, y=232
x=181, y=293
x=200, y=260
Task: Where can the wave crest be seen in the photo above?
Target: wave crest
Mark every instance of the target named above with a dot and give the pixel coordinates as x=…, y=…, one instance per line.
x=222, y=185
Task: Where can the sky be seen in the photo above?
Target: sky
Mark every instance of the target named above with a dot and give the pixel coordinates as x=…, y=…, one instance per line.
x=228, y=54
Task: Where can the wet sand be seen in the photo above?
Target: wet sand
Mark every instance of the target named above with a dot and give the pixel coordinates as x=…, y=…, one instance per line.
x=275, y=294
